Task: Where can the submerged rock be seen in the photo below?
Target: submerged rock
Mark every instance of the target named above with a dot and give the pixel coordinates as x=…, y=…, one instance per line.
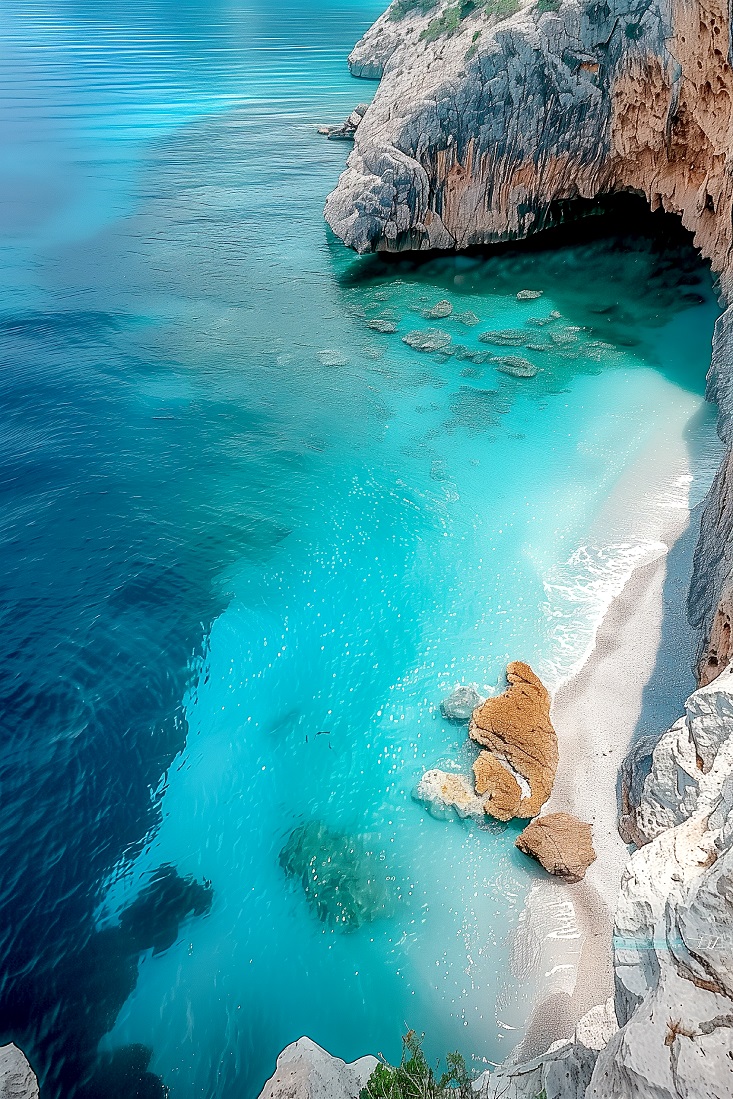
x=565, y=336
x=468, y=318
x=516, y=366
x=561, y=843
x=343, y=881
x=468, y=354
x=506, y=337
x=430, y=339
x=306, y=1071
x=331, y=357
x=529, y=295
x=446, y=790
x=437, y=312
x=460, y=703
x=540, y=322
x=381, y=324
x=515, y=726
x=17, y=1078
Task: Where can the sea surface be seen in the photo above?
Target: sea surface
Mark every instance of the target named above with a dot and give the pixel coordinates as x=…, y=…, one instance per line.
x=251, y=538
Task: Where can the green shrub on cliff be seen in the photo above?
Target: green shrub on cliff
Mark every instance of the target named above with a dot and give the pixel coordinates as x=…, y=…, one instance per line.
x=405, y=7
x=502, y=9
x=413, y=1078
x=449, y=21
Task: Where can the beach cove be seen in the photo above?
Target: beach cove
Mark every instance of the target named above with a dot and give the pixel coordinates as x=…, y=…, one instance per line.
x=331, y=527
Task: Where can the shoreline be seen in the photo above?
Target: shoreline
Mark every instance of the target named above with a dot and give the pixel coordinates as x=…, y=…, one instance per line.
x=563, y=944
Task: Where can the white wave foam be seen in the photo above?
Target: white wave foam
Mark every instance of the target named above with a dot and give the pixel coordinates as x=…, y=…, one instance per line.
x=578, y=594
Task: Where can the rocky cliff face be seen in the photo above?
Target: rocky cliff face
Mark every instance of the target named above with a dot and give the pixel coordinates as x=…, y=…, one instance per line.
x=482, y=132
x=489, y=122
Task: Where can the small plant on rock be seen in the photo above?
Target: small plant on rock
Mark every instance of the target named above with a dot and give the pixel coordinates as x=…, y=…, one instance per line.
x=401, y=8
x=413, y=1078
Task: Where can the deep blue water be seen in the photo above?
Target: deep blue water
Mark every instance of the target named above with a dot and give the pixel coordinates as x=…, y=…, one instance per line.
x=249, y=543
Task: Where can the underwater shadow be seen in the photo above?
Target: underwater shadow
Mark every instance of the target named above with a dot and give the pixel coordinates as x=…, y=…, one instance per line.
x=612, y=267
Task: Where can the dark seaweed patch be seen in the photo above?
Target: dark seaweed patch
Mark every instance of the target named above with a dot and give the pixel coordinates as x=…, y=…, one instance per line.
x=344, y=880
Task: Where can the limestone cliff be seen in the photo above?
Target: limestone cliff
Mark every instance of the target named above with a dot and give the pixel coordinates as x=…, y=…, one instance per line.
x=482, y=132
x=17, y=1078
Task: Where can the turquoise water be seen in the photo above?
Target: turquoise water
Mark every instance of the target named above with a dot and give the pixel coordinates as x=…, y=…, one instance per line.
x=250, y=543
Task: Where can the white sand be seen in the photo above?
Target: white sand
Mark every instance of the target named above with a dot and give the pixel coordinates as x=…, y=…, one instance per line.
x=633, y=682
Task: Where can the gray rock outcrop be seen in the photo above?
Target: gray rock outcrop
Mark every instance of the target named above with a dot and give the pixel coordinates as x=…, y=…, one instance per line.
x=460, y=704
x=491, y=117
x=345, y=130
x=17, y=1078
x=305, y=1071
x=564, y=1072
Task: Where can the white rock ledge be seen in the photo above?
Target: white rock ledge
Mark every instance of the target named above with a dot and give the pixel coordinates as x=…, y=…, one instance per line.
x=17, y=1078
x=305, y=1071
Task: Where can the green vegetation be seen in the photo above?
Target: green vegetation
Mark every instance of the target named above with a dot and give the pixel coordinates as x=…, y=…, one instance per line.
x=473, y=48
x=502, y=9
x=450, y=19
x=413, y=1078
x=547, y=5
x=404, y=7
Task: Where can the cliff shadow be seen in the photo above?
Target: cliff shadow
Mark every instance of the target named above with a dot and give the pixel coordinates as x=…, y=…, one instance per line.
x=612, y=267
x=672, y=679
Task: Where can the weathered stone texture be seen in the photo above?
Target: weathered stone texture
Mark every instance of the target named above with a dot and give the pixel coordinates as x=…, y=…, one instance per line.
x=516, y=729
x=305, y=1071
x=17, y=1078
x=469, y=141
x=561, y=843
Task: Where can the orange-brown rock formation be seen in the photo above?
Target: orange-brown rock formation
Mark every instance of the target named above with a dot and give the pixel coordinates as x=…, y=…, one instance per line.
x=515, y=728
x=497, y=786
x=561, y=843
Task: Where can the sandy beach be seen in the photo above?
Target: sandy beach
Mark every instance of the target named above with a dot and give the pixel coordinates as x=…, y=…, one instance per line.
x=633, y=682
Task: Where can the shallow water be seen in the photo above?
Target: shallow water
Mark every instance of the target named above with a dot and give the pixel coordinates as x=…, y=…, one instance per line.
x=250, y=542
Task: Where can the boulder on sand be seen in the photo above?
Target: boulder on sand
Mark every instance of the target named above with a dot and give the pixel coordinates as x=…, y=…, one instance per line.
x=561, y=843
